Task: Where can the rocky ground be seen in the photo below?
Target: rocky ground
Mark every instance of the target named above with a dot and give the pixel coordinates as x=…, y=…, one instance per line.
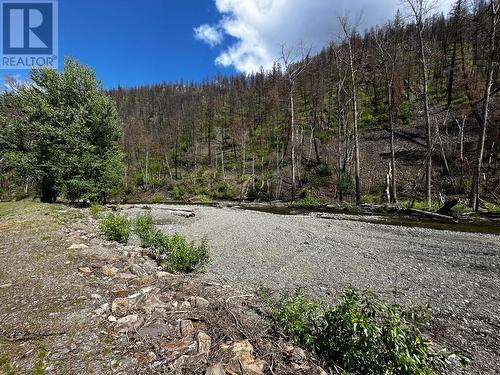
x=456, y=273
x=72, y=303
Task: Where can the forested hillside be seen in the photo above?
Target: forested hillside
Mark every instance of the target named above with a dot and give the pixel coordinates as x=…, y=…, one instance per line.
x=413, y=88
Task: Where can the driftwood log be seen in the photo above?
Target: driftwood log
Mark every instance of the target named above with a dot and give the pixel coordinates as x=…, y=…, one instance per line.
x=432, y=215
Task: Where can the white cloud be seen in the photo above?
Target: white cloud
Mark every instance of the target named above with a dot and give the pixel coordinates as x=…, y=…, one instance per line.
x=261, y=27
x=208, y=34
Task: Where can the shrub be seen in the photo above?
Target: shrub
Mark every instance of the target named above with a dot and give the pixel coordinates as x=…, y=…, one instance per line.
x=405, y=115
x=202, y=199
x=96, y=210
x=492, y=209
x=370, y=198
x=177, y=193
x=145, y=229
x=223, y=190
x=366, y=118
x=116, y=227
x=176, y=254
x=306, y=198
x=157, y=198
x=362, y=334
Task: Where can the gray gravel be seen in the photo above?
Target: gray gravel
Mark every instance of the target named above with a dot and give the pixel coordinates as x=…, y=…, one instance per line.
x=457, y=273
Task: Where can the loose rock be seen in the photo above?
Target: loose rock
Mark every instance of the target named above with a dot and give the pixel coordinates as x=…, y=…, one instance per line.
x=109, y=271
x=86, y=271
x=185, y=327
x=79, y=246
x=198, y=302
x=120, y=306
x=204, y=342
x=244, y=362
x=216, y=369
x=119, y=290
x=129, y=323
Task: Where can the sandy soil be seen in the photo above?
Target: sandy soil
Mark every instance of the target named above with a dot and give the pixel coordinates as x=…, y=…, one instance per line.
x=456, y=273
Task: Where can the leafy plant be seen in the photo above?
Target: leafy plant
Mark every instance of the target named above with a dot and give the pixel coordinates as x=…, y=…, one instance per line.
x=176, y=254
x=362, y=334
x=223, y=190
x=492, y=209
x=157, y=198
x=145, y=229
x=116, y=227
x=96, y=210
x=306, y=198
x=371, y=198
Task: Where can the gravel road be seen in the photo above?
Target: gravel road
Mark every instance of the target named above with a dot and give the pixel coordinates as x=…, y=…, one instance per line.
x=457, y=273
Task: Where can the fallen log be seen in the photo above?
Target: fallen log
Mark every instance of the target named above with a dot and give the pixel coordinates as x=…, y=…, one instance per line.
x=432, y=215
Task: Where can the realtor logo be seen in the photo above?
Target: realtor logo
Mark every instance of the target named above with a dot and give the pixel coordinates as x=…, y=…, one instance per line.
x=29, y=34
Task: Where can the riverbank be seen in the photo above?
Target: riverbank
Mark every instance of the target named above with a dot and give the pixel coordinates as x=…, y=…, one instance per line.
x=457, y=273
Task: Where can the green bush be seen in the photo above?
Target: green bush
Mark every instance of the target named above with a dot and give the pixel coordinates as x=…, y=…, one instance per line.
x=223, y=190
x=96, y=210
x=347, y=182
x=492, y=209
x=405, y=115
x=362, y=334
x=370, y=198
x=306, y=198
x=177, y=193
x=176, y=254
x=145, y=229
x=157, y=198
x=116, y=227
x=202, y=199
x=366, y=118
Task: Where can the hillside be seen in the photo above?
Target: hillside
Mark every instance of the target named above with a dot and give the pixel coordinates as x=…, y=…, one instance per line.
x=294, y=127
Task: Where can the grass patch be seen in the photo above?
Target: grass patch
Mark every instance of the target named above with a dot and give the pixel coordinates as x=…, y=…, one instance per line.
x=39, y=367
x=492, y=209
x=116, y=227
x=417, y=204
x=362, y=334
x=203, y=198
x=371, y=198
x=6, y=366
x=157, y=198
x=462, y=209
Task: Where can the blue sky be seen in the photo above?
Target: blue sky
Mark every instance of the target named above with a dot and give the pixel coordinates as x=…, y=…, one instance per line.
x=132, y=42
x=135, y=42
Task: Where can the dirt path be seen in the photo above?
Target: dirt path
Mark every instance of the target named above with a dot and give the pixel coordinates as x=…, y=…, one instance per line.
x=457, y=273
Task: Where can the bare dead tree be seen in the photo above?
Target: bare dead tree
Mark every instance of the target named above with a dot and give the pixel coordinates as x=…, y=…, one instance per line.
x=420, y=9
x=340, y=78
x=389, y=52
x=294, y=64
x=349, y=32
x=494, y=8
